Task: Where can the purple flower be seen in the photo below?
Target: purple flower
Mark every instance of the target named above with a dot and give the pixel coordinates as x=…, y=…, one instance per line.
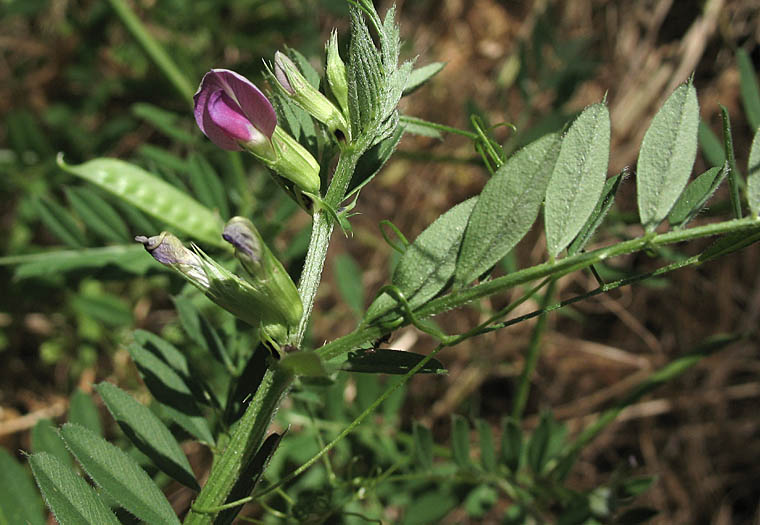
x=232, y=112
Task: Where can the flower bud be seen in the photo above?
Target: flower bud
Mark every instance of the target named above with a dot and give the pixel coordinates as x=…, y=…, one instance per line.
x=335, y=71
x=305, y=95
x=251, y=304
x=265, y=272
x=235, y=115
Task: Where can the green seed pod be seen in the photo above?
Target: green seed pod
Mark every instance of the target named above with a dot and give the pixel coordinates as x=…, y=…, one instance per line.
x=305, y=95
x=335, y=71
x=265, y=272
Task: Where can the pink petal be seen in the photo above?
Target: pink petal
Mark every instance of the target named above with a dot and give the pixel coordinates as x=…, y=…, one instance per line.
x=225, y=124
x=253, y=102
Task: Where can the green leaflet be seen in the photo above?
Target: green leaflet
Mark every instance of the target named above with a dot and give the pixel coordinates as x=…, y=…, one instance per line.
x=129, y=258
x=578, y=177
x=45, y=438
x=421, y=75
x=19, y=501
x=749, y=88
x=70, y=498
x=151, y=195
x=60, y=222
x=429, y=262
x=460, y=441
x=172, y=391
x=83, y=411
x=506, y=208
x=119, y=475
x=667, y=155
x=694, y=197
x=487, y=449
x=606, y=199
x=148, y=433
x=348, y=276
x=97, y=214
x=511, y=444
x=423, y=445
x=385, y=361
x=753, y=175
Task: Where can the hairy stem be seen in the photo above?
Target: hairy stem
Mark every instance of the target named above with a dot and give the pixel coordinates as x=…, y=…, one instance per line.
x=250, y=431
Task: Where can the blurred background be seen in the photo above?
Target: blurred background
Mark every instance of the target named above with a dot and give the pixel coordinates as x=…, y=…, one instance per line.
x=74, y=80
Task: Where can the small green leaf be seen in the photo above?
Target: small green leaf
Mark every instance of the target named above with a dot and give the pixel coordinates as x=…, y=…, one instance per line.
x=749, y=88
x=168, y=123
x=386, y=361
x=695, y=196
x=506, y=209
x=151, y=195
x=45, y=438
x=511, y=444
x=19, y=500
x=578, y=177
x=107, y=308
x=172, y=391
x=249, y=478
x=60, y=222
x=429, y=262
x=348, y=276
x=130, y=258
x=207, y=185
x=83, y=411
x=667, y=155
x=636, y=486
x=603, y=205
x=423, y=445
x=118, y=475
x=487, y=450
x=71, y=499
x=537, y=452
x=460, y=441
x=97, y=214
x=304, y=363
x=146, y=431
x=712, y=148
x=164, y=349
x=189, y=318
x=421, y=75
x=480, y=500
x=753, y=175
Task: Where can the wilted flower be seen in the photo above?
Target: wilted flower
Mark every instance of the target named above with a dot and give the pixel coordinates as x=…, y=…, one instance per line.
x=307, y=96
x=234, y=114
x=256, y=305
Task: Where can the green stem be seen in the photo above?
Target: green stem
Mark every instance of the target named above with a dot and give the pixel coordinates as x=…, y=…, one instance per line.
x=249, y=432
x=438, y=127
x=244, y=442
x=153, y=49
x=350, y=428
x=321, y=230
x=366, y=334
x=534, y=350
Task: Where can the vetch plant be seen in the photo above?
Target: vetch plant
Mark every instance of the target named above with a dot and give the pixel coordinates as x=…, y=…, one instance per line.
x=300, y=132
